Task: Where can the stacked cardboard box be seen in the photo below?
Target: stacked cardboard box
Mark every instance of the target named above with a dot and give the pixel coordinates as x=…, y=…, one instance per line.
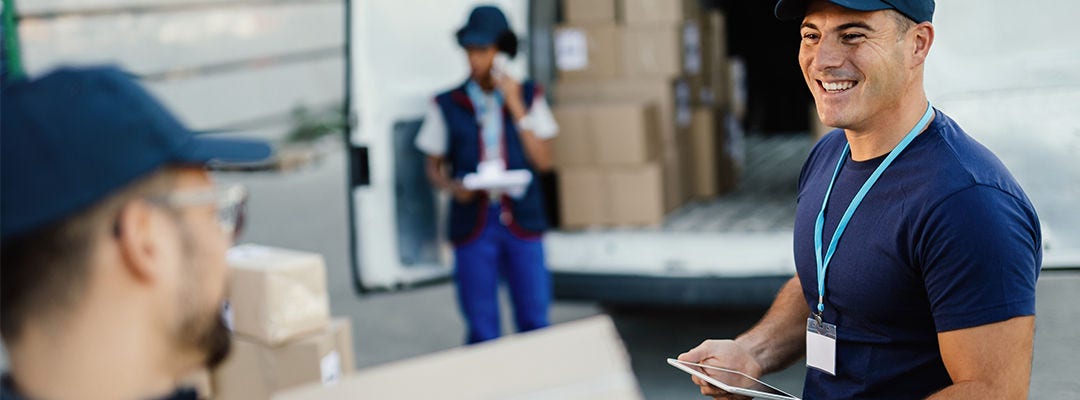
x=610, y=169
x=284, y=337
x=671, y=54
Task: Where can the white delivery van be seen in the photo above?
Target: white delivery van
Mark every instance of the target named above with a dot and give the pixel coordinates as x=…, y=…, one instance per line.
x=1013, y=88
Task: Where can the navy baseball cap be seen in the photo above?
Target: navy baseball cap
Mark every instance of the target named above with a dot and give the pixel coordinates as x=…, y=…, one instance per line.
x=75, y=135
x=917, y=10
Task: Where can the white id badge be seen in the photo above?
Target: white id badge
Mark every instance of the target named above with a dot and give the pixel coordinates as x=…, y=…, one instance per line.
x=821, y=346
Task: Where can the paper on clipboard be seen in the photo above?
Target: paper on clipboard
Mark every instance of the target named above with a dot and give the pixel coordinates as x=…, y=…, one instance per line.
x=492, y=175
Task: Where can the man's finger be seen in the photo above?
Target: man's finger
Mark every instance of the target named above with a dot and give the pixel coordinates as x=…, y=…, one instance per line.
x=695, y=354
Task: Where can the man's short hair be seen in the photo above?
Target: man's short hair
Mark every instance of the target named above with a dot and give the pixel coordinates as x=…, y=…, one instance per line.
x=903, y=23
x=45, y=272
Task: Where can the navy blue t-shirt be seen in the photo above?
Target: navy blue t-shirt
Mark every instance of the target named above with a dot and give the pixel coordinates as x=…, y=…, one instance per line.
x=945, y=240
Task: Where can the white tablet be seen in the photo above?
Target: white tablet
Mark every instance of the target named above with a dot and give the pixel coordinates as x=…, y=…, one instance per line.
x=732, y=381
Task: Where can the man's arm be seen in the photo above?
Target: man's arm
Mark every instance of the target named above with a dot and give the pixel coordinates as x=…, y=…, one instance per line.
x=776, y=341
x=988, y=361
x=436, y=174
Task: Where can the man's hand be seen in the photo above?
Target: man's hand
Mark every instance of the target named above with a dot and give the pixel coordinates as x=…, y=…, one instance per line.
x=727, y=354
x=461, y=194
x=778, y=340
x=511, y=92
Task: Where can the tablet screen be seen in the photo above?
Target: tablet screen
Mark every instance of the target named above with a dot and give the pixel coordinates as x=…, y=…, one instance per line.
x=733, y=378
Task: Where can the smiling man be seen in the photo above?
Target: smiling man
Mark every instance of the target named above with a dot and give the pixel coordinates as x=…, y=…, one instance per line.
x=916, y=251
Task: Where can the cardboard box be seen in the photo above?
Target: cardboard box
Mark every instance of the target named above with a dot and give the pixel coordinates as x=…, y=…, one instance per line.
x=276, y=294
x=662, y=52
x=255, y=371
x=672, y=167
x=716, y=75
x=572, y=361
x=738, y=95
x=589, y=11
x=613, y=196
x=733, y=153
x=583, y=196
x=637, y=195
x=705, y=142
x=587, y=52
x=660, y=92
x=658, y=12
x=652, y=52
x=606, y=133
x=574, y=145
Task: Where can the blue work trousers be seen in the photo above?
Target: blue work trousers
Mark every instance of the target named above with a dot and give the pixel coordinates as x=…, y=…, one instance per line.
x=479, y=265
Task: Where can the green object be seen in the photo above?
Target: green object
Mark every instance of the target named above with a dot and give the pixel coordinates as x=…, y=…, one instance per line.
x=12, y=57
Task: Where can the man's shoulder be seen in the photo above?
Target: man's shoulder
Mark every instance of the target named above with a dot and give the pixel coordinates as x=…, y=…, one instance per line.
x=952, y=161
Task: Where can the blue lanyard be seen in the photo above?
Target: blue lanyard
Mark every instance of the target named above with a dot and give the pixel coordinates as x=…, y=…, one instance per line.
x=490, y=125
x=823, y=263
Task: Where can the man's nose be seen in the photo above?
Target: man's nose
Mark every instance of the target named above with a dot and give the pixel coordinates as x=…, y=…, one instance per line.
x=830, y=54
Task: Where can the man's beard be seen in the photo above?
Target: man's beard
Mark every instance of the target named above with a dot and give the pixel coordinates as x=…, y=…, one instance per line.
x=204, y=332
x=215, y=342
x=209, y=336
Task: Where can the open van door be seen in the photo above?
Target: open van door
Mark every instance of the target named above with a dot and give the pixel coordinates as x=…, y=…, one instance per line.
x=1015, y=87
x=402, y=53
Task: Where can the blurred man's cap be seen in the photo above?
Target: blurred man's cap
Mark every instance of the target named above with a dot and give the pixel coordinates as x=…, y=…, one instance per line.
x=917, y=10
x=76, y=135
x=485, y=27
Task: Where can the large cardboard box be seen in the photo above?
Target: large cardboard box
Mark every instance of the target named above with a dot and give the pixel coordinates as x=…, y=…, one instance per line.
x=255, y=371
x=660, y=92
x=574, y=144
x=705, y=141
x=653, y=12
x=716, y=76
x=587, y=52
x=636, y=194
x=662, y=51
x=583, y=196
x=276, y=294
x=606, y=133
x=581, y=360
x=652, y=51
x=612, y=196
x=589, y=11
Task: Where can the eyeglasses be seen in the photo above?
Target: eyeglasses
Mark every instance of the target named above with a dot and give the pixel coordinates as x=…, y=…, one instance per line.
x=231, y=202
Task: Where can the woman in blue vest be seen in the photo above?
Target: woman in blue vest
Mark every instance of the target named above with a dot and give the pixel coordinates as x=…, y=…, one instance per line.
x=496, y=234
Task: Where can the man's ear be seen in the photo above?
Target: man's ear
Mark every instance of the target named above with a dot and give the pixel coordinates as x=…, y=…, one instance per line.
x=137, y=240
x=923, y=34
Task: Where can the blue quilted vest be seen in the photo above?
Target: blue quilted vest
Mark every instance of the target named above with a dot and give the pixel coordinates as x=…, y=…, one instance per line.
x=524, y=217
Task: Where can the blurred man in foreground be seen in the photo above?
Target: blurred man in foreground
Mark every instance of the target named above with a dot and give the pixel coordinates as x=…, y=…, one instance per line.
x=114, y=240
x=917, y=252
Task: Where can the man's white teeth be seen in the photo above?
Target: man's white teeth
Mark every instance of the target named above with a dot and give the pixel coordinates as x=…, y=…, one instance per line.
x=837, y=86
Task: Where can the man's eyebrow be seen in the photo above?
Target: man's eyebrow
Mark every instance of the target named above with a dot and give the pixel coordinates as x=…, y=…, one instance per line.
x=809, y=25
x=850, y=25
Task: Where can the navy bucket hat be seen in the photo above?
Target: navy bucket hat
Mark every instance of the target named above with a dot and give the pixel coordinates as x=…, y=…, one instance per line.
x=917, y=10
x=488, y=26
x=74, y=136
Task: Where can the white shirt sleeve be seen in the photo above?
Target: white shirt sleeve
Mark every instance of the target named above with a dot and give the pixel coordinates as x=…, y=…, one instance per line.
x=431, y=139
x=540, y=120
